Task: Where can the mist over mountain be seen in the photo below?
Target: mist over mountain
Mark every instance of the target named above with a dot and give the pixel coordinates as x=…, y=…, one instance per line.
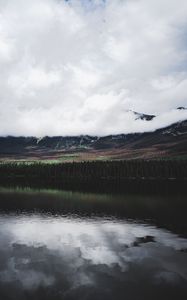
x=168, y=142
x=137, y=122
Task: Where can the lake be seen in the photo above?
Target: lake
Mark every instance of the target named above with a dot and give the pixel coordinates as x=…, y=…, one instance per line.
x=72, y=245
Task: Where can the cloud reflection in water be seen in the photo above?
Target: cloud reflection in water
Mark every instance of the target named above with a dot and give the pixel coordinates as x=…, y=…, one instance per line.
x=73, y=258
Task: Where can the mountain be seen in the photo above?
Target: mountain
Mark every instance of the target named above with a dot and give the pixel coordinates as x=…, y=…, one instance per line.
x=181, y=108
x=140, y=116
x=163, y=143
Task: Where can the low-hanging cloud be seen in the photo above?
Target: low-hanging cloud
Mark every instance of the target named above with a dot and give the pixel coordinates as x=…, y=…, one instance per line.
x=78, y=67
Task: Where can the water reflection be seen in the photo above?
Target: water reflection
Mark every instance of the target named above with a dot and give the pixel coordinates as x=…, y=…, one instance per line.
x=68, y=256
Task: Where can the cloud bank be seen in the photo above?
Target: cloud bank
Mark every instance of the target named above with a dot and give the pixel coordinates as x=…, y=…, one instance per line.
x=77, y=67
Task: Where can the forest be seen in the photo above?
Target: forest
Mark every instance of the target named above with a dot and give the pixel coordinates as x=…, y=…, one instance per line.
x=117, y=170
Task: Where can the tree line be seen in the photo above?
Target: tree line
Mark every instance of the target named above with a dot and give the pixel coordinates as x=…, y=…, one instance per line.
x=95, y=170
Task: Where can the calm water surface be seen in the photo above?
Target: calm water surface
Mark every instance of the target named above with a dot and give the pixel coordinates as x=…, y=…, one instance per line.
x=65, y=245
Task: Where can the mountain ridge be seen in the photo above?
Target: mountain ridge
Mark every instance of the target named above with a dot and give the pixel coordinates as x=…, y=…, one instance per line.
x=170, y=141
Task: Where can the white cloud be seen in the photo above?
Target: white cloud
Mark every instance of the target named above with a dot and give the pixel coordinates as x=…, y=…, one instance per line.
x=77, y=67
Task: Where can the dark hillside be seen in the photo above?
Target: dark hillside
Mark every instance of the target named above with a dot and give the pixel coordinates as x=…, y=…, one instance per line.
x=162, y=143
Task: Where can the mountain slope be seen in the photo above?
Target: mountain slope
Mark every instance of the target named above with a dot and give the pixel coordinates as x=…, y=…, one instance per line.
x=167, y=142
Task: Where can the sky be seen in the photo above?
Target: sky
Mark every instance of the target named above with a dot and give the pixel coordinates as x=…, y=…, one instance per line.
x=82, y=66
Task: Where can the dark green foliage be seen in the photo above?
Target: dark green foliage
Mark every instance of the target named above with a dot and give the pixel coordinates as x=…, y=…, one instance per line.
x=117, y=170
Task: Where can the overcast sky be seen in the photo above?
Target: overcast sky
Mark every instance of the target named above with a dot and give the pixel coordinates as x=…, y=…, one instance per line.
x=77, y=67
